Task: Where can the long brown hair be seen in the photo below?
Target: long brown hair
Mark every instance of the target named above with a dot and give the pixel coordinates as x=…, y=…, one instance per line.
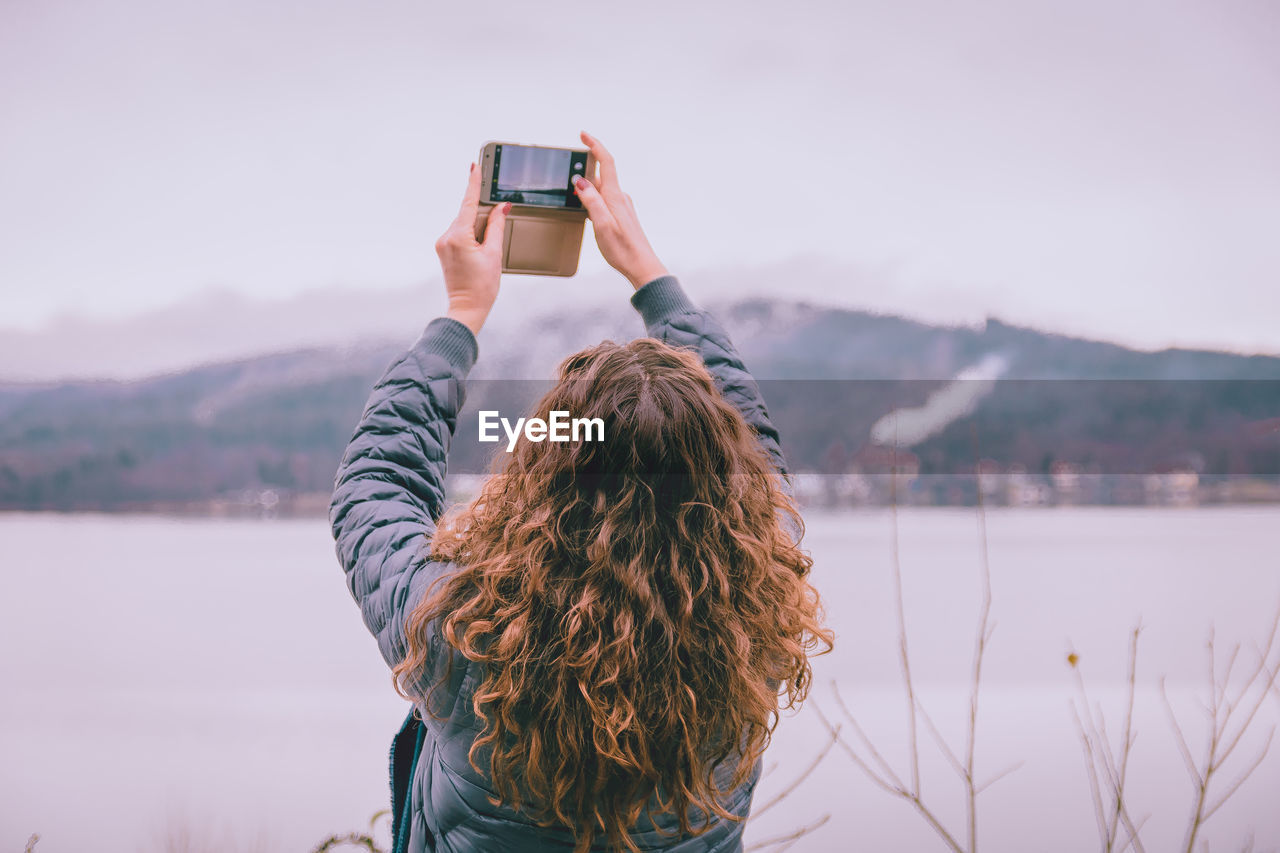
x=640, y=604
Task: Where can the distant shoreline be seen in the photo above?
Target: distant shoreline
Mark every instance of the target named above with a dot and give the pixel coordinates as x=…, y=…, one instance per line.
x=813, y=492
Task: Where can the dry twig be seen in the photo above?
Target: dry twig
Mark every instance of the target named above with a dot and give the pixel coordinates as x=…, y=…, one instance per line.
x=804, y=774
x=1107, y=773
x=1223, y=737
x=790, y=838
x=868, y=758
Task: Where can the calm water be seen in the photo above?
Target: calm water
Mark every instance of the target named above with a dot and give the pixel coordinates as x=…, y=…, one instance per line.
x=215, y=676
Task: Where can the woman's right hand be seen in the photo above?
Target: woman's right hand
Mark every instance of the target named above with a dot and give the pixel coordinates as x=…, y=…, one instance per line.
x=613, y=219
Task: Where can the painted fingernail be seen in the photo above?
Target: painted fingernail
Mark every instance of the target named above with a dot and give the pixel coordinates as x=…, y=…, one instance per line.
x=578, y=181
x=506, y=208
x=473, y=168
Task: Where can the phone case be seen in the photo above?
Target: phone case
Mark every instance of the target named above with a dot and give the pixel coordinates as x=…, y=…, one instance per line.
x=536, y=240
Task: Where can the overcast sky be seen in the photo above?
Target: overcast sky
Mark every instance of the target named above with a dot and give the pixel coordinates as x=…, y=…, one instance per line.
x=1102, y=168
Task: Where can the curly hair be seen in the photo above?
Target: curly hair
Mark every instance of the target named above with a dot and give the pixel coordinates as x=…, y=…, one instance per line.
x=640, y=604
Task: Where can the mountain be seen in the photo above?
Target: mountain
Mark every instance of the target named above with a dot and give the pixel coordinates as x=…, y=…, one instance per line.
x=840, y=383
x=222, y=325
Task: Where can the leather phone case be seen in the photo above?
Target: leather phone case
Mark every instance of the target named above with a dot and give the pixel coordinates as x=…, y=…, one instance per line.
x=538, y=241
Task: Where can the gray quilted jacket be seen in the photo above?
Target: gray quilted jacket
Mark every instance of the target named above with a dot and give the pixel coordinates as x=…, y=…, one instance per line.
x=389, y=492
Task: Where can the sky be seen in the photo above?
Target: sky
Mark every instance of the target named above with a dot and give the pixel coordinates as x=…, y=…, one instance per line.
x=1097, y=168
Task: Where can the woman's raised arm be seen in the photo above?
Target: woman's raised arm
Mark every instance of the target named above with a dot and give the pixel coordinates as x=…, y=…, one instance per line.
x=668, y=313
x=389, y=489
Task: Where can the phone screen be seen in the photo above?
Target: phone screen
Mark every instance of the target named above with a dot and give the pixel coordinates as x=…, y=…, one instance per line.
x=523, y=174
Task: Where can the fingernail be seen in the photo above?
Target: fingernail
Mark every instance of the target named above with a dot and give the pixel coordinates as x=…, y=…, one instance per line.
x=473, y=168
x=578, y=181
x=506, y=208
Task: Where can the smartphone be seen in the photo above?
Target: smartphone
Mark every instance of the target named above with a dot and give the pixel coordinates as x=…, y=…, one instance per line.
x=532, y=175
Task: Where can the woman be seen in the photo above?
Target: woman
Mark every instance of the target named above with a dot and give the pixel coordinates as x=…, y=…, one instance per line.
x=597, y=646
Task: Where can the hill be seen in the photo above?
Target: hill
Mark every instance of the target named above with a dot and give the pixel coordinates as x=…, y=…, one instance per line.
x=839, y=383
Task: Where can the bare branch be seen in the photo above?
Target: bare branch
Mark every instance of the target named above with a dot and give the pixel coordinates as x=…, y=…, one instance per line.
x=1223, y=739
x=890, y=787
x=894, y=787
x=808, y=771
x=1192, y=770
x=1132, y=840
x=1221, y=701
x=942, y=743
x=982, y=635
x=1095, y=787
x=1120, y=808
x=930, y=819
x=1003, y=773
x=1240, y=780
x=1127, y=737
x=791, y=837
x=866, y=741
x=904, y=659
x=1259, y=671
x=1102, y=763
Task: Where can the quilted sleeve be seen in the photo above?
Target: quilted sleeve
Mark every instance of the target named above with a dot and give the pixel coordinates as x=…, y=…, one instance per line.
x=389, y=489
x=671, y=317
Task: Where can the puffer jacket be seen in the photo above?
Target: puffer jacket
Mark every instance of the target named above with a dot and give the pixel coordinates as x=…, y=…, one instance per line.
x=389, y=493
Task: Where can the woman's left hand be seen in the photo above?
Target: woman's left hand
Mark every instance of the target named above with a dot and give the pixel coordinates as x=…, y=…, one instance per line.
x=472, y=270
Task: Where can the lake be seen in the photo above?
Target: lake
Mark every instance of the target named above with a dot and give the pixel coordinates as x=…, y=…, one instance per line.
x=211, y=677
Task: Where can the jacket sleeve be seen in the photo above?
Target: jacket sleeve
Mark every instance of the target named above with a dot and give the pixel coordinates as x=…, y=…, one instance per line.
x=389, y=489
x=671, y=317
